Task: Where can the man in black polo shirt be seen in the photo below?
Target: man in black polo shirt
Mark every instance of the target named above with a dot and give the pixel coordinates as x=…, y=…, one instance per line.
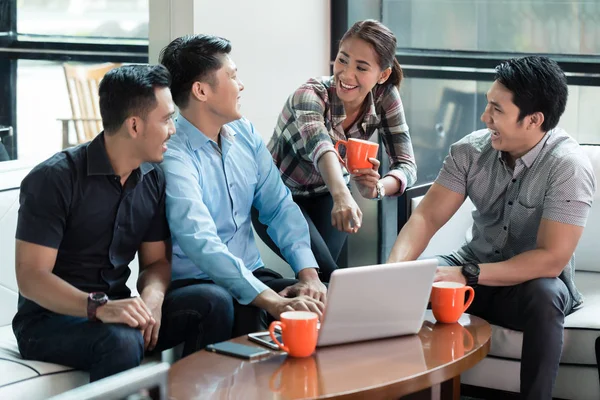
x=84, y=214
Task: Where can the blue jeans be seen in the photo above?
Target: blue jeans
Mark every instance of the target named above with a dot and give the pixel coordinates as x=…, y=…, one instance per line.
x=537, y=308
x=195, y=315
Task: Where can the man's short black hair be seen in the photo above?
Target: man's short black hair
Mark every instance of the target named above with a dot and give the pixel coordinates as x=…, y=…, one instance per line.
x=193, y=58
x=129, y=90
x=538, y=84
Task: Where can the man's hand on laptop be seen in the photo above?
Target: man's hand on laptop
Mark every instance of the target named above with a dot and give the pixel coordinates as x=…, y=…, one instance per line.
x=298, y=303
x=449, y=274
x=309, y=285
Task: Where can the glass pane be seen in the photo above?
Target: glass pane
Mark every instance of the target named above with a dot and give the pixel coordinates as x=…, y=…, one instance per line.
x=44, y=109
x=440, y=112
x=38, y=130
x=527, y=26
x=84, y=18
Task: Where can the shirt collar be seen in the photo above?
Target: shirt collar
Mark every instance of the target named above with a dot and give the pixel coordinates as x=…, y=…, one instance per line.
x=338, y=114
x=529, y=157
x=196, y=137
x=98, y=162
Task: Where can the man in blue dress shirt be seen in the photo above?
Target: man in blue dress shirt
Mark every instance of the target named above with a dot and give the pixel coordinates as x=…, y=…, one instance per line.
x=217, y=168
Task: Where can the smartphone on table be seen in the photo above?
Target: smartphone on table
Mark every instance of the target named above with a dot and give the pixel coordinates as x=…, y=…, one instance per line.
x=264, y=338
x=238, y=350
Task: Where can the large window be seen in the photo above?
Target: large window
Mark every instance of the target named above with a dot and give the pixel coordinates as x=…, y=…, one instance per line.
x=448, y=50
x=37, y=38
x=84, y=18
x=523, y=26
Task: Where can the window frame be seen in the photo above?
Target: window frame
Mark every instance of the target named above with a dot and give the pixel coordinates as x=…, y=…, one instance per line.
x=15, y=47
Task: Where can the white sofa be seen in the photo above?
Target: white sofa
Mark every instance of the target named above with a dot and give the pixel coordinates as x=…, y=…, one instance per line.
x=22, y=379
x=578, y=374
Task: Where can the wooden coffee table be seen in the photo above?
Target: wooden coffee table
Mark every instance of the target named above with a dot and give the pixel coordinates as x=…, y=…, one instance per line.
x=427, y=365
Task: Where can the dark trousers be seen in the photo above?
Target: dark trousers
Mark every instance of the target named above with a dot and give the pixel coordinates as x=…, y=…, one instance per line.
x=253, y=319
x=537, y=308
x=248, y=318
x=196, y=315
x=326, y=241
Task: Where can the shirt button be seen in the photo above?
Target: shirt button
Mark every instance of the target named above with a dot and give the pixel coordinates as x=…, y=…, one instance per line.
x=235, y=213
x=505, y=227
x=497, y=252
x=510, y=203
x=514, y=180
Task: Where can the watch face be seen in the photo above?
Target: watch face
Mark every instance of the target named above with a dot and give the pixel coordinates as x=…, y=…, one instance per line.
x=98, y=296
x=471, y=269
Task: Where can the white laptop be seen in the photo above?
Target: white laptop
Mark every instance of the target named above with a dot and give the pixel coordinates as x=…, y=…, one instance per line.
x=377, y=301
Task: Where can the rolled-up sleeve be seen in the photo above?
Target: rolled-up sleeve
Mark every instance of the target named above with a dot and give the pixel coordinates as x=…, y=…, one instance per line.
x=195, y=231
x=396, y=138
x=570, y=191
x=286, y=224
x=308, y=105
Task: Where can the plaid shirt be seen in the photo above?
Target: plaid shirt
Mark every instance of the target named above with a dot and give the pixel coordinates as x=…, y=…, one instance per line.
x=311, y=122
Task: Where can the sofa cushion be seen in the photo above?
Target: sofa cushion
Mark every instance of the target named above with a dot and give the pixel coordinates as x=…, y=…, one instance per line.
x=22, y=377
x=582, y=327
x=586, y=254
x=9, y=206
x=573, y=381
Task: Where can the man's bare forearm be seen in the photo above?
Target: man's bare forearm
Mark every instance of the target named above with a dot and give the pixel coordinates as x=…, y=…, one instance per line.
x=308, y=274
x=412, y=240
x=155, y=278
x=53, y=293
x=524, y=267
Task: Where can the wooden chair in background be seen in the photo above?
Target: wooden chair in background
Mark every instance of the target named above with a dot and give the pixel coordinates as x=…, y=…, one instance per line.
x=82, y=85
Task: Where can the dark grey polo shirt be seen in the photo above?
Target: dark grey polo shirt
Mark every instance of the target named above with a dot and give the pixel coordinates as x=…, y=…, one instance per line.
x=554, y=180
x=75, y=203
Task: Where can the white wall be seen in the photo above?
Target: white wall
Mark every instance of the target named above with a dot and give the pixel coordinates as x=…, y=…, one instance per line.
x=277, y=45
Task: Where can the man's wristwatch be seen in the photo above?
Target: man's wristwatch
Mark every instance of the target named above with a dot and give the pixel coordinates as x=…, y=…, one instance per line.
x=471, y=272
x=95, y=300
x=380, y=191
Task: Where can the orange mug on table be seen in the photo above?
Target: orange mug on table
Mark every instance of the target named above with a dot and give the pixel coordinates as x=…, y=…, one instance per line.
x=448, y=300
x=358, y=152
x=298, y=331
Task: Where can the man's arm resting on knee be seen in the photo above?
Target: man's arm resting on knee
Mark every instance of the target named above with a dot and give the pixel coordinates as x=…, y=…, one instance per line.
x=34, y=265
x=556, y=244
x=155, y=267
x=153, y=282
x=436, y=208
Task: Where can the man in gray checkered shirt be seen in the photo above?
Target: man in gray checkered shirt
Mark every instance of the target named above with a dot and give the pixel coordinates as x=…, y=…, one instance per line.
x=532, y=187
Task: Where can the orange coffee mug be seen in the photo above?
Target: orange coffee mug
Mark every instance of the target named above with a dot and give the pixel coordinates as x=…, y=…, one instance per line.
x=296, y=378
x=448, y=300
x=358, y=153
x=298, y=331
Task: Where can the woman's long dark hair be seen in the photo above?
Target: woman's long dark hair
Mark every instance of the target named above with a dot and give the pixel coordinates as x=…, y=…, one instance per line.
x=384, y=43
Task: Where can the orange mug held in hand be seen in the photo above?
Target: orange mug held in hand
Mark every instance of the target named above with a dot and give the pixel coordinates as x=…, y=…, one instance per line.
x=448, y=300
x=358, y=153
x=298, y=331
